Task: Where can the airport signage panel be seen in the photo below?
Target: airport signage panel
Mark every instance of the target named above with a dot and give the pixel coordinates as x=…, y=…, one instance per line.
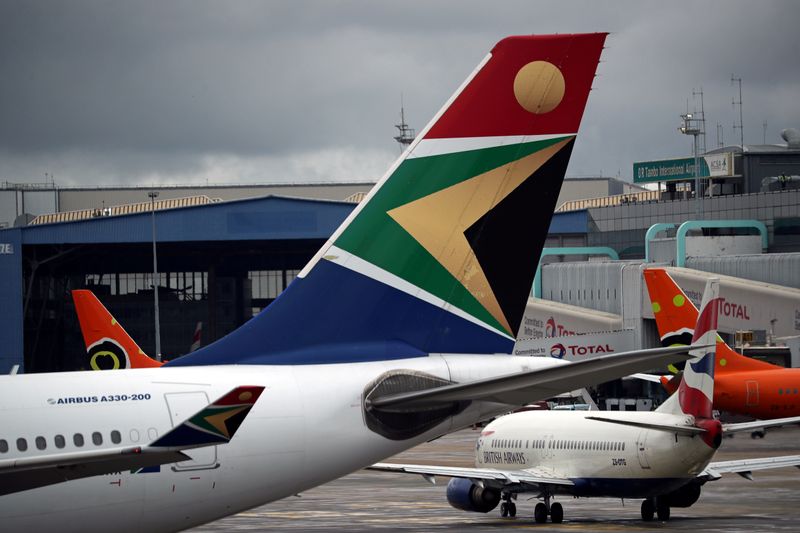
x=667, y=170
x=719, y=164
x=682, y=169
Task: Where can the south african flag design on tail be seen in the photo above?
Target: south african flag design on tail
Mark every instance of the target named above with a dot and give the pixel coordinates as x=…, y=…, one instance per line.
x=440, y=256
x=215, y=424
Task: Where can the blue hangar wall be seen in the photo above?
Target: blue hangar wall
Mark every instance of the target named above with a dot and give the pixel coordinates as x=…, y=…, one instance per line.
x=40, y=265
x=198, y=234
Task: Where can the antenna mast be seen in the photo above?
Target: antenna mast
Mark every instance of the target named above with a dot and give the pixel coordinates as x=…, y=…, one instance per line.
x=701, y=119
x=739, y=103
x=405, y=135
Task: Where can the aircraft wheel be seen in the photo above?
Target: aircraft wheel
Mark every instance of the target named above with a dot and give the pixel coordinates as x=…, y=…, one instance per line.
x=504, y=509
x=512, y=509
x=663, y=512
x=540, y=513
x=556, y=513
x=648, y=510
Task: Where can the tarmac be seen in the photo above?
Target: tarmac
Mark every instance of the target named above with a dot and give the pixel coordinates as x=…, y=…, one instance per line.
x=365, y=501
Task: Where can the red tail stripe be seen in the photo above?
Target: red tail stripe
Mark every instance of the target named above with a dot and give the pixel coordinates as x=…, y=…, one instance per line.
x=707, y=321
x=488, y=107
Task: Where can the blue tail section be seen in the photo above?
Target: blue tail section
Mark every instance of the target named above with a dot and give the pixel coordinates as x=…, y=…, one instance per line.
x=313, y=322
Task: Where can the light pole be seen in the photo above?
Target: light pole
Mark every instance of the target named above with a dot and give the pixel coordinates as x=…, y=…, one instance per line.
x=153, y=195
x=694, y=130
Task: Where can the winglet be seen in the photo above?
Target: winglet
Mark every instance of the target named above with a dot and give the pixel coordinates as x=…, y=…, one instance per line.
x=215, y=424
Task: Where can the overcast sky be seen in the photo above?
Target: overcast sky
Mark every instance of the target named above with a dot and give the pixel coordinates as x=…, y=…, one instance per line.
x=140, y=93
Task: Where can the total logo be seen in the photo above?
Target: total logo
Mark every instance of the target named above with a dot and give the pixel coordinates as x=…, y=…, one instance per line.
x=551, y=329
x=732, y=309
x=559, y=350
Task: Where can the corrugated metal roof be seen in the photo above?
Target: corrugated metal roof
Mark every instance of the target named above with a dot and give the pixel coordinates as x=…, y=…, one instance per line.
x=607, y=201
x=266, y=218
x=127, y=209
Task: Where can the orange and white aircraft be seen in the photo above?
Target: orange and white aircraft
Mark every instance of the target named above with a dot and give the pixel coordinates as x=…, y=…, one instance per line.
x=108, y=345
x=742, y=385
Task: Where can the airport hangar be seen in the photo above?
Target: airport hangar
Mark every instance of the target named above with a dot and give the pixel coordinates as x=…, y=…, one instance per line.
x=220, y=262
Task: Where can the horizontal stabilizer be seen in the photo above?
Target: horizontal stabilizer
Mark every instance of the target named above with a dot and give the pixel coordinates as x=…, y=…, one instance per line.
x=744, y=467
x=760, y=424
x=652, y=378
x=669, y=428
x=525, y=387
x=30, y=473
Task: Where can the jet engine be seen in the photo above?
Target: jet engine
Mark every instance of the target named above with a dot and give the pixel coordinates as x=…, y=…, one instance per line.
x=465, y=495
x=400, y=423
x=682, y=497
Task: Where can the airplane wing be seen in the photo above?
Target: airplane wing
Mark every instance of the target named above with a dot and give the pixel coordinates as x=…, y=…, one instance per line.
x=759, y=424
x=745, y=467
x=489, y=476
x=525, y=387
x=214, y=424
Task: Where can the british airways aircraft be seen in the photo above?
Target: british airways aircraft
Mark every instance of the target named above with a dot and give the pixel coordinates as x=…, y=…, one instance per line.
x=393, y=334
x=663, y=457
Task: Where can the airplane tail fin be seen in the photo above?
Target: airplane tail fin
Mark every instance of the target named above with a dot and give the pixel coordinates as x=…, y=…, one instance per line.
x=441, y=255
x=197, y=337
x=695, y=394
x=108, y=345
x=676, y=319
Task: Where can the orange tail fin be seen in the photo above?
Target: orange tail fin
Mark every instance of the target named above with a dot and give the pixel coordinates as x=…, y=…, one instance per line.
x=677, y=318
x=108, y=345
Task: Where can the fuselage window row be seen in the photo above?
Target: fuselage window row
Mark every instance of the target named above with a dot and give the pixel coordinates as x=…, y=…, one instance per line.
x=60, y=442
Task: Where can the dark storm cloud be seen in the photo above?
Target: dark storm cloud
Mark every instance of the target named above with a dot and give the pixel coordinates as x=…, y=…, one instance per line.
x=102, y=92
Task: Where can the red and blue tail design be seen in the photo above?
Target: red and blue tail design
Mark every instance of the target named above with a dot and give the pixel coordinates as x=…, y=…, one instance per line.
x=215, y=424
x=695, y=394
x=441, y=255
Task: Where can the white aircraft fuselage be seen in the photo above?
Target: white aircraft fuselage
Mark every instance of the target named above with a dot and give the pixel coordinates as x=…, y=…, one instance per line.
x=601, y=458
x=308, y=428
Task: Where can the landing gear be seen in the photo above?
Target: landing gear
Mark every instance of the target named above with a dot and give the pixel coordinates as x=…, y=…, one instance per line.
x=542, y=510
x=556, y=513
x=652, y=508
x=648, y=510
x=508, y=510
x=508, y=507
x=540, y=513
x=662, y=510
